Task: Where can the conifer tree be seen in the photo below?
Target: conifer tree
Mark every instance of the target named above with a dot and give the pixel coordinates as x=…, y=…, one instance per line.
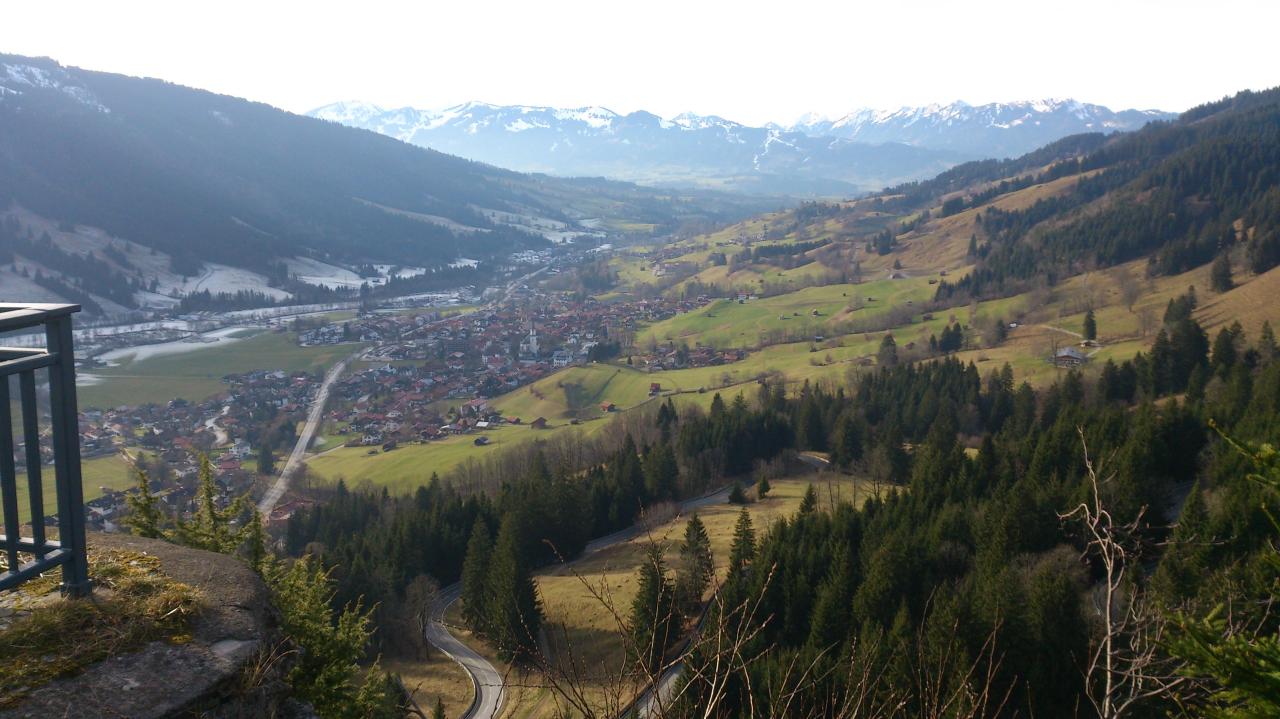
x=211, y=528
x=810, y=500
x=652, y=621
x=255, y=542
x=887, y=356
x=1183, y=567
x=762, y=487
x=696, y=566
x=266, y=459
x=145, y=517
x=1220, y=274
x=847, y=444
x=660, y=472
x=475, y=578
x=829, y=624
x=1090, y=329
x=743, y=549
x=1267, y=347
x=736, y=495
x=514, y=611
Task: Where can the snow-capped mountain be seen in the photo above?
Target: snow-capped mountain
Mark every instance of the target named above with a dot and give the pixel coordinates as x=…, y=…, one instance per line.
x=867, y=149
x=993, y=130
x=688, y=149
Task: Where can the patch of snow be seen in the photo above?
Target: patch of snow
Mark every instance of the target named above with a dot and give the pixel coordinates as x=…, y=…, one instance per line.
x=596, y=117
x=224, y=336
x=315, y=272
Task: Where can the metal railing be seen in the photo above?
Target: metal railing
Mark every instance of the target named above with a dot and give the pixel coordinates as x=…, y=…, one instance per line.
x=28, y=556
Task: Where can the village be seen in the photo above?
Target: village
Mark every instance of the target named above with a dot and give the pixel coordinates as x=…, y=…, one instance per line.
x=421, y=375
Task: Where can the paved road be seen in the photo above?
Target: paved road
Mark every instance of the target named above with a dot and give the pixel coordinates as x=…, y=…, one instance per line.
x=485, y=679
x=273, y=495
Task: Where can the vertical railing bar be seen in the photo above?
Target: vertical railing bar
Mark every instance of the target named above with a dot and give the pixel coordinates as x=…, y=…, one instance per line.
x=66, y=452
x=31, y=436
x=8, y=479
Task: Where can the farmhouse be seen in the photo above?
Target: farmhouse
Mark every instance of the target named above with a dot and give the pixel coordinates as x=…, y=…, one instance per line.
x=1069, y=357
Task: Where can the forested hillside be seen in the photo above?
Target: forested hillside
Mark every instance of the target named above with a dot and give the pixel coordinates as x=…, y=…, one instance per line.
x=1179, y=193
x=209, y=178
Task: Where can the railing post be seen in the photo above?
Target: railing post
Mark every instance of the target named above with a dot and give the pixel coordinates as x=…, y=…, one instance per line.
x=66, y=453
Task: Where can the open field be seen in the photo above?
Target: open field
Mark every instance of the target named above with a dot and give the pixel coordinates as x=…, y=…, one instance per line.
x=726, y=323
x=110, y=471
x=436, y=677
x=410, y=466
x=196, y=375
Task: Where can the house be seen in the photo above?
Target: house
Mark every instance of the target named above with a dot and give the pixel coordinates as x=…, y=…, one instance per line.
x=560, y=358
x=608, y=406
x=1069, y=357
x=475, y=408
x=654, y=388
x=480, y=441
x=539, y=423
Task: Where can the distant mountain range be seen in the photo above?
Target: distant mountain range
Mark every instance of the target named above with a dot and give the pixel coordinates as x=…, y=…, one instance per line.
x=864, y=150
x=997, y=130
x=101, y=175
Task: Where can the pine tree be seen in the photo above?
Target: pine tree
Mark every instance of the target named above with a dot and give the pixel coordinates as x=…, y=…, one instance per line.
x=1220, y=274
x=266, y=460
x=145, y=517
x=1183, y=568
x=1267, y=347
x=256, y=542
x=652, y=621
x=661, y=473
x=829, y=624
x=847, y=444
x=696, y=566
x=887, y=356
x=810, y=501
x=743, y=549
x=475, y=578
x=762, y=487
x=736, y=495
x=515, y=613
x=1090, y=326
x=1224, y=350
x=211, y=528
x=331, y=646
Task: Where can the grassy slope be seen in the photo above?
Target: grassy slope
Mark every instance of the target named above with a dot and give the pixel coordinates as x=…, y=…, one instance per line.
x=196, y=375
x=725, y=323
x=110, y=471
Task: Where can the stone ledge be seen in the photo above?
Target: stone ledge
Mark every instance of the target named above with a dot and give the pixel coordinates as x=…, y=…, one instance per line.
x=205, y=677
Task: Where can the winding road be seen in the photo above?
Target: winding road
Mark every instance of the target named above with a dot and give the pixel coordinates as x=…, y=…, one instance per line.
x=485, y=679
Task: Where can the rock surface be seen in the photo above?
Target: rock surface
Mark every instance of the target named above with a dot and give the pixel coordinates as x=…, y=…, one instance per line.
x=233, y=667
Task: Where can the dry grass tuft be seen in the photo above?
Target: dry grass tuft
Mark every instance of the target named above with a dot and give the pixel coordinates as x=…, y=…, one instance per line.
x=46, y=636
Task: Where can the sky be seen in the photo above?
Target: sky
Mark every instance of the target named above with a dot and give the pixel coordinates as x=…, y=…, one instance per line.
x=750, y=62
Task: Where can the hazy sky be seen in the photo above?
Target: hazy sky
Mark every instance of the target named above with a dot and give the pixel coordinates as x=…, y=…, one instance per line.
x=751, y=62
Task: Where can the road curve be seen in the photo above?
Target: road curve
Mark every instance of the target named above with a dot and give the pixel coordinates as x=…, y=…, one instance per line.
x=485, y=679
x=314, y=417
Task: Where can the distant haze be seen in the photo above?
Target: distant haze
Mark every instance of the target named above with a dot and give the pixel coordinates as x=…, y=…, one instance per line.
x=754, y=63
